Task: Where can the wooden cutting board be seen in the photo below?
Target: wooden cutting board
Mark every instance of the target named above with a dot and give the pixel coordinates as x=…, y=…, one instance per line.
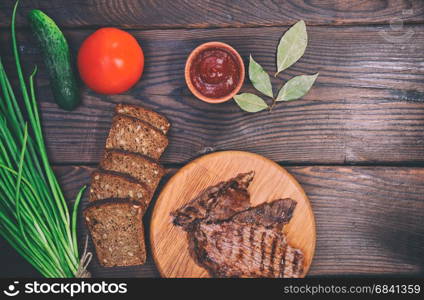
x=169, y=243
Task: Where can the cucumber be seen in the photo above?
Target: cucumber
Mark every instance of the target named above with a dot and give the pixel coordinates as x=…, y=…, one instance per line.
x=57, y=59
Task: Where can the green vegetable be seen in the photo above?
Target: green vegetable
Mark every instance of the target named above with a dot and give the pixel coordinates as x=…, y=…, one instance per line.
x=250, y=102
x=34, y=217
x=260, y=78
x=291, y=47
x=57, y=59
x=296, y=88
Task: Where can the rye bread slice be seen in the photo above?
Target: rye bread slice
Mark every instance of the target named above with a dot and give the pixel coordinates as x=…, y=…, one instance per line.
x=153, y=118
x=133, y=135
x=117, y=232
x=105, y=184
x=134, y=165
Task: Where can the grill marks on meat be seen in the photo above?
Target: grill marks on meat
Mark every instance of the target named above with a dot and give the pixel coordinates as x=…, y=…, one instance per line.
x=216, y=203
x=231, y=239
x=231, y=249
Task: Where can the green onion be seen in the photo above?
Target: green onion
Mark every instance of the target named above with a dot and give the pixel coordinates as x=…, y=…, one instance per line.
x=34, y=216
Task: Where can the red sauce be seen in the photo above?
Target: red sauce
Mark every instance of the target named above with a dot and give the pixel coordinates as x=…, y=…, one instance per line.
x=215, y=72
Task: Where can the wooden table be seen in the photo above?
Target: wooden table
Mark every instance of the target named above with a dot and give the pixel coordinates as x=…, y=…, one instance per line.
x=355, y=142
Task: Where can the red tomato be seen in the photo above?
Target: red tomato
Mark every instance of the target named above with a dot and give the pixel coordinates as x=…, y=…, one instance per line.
x=110, y=61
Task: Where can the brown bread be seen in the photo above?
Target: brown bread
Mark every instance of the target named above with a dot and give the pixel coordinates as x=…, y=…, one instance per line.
x=134, y=165
x=117, y=232
x=153, y=118
x=133, y=135
x=106, y=184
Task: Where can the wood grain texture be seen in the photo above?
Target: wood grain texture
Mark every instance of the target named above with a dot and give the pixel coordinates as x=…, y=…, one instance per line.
x=367, y=105
x=366, y=108
x=169, y=243
x=219, y=13
x=368, y=220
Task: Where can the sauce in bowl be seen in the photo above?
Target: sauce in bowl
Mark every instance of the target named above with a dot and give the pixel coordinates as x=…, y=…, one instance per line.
x=215, y=72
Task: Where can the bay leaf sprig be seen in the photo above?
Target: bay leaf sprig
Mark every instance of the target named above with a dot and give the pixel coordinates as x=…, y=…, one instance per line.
x=296, y=88
x=259, y=78
x=250, y=102
x=292, y=46
x=290, y=49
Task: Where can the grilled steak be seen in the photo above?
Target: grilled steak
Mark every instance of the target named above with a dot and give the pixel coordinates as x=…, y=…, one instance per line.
x=268, y=214
x=231, y=249
x=218, y=202
x=231, y=239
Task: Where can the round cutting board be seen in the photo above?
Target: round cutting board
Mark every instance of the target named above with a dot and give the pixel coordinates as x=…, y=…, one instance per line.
x=169, y=243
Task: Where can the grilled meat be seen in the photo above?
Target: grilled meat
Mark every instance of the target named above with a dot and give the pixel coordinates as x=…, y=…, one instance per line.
x=216, y=203
x=232, y=249
x=231, y=239
x=268, y=214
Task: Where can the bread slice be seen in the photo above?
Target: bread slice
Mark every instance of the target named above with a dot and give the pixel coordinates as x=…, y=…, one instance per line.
x=153, y=118
x=106, y=184
x=134, y=165
x=117, y=232
x=133, y=135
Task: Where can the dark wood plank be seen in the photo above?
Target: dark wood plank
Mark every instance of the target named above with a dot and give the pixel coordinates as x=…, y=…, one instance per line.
x=366, y=107
x=369, y=220
x=218, y=13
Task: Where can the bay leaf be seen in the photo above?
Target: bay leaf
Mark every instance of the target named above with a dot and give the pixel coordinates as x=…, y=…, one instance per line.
x=259, y=78
x=296, y=88
x=250, y=102
x=292, y=46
